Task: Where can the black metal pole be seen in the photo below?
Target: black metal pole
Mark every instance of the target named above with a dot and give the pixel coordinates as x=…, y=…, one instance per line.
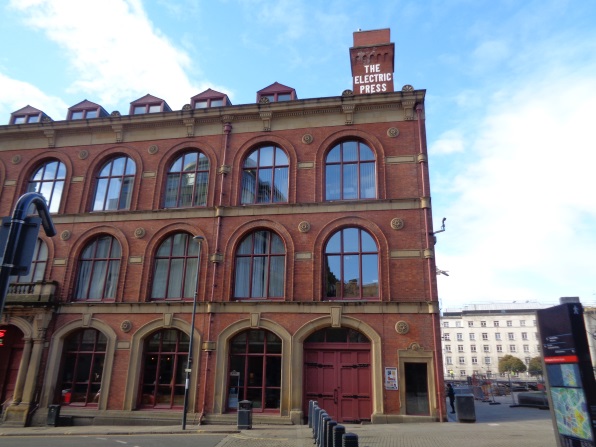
x=14, y=242
x=199, y=240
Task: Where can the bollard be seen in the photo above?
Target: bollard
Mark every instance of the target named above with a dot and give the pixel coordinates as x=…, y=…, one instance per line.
x=324, y=431
x=350, y=440
x=311, y=406
x=319, y=423
x=338, y=432
x=315, y=421
x=329, y=437
x=324, y=420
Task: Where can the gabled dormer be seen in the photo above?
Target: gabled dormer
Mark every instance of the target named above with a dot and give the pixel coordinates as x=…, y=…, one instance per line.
x=209, y=98
x=276, y=92
x=86, y=110
x=28, y=115
x=148, y=104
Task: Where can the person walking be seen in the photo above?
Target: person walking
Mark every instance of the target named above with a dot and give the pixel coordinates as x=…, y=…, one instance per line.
x=451, y=396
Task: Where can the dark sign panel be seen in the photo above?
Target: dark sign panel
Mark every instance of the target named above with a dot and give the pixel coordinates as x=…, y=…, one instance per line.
x=571, y=381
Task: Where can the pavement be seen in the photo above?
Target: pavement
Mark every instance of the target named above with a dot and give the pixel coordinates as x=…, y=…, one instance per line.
x=498, y=424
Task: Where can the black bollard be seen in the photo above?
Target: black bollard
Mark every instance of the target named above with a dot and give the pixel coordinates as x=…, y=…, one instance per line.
x=321, y=437
x=350, y=440
x=326, y=421
x=322, y=414
x=315, y=421
x=329, y=437
x=338, y=432
x=311, y=405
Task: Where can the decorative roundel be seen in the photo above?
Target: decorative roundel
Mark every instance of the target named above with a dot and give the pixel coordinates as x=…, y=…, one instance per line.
x=153, y=149
x=140, y=232
x=65, y=235
x=393, y=132
x=126, y=326
x=407, y=88
x=83, y=154
x=304, y=227
x=347, y=92
x=16, y=159
x=397, y=223
x=115, y=113
x=264, y=100
x=402, y=327
x=186, y=107
x=307, y=138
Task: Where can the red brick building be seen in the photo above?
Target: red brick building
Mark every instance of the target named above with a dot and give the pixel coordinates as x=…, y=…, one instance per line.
x=316, y=274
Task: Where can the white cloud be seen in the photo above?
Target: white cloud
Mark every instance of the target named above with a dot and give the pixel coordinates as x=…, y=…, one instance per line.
x=114, y=49
x=14, y=92
x=448, y=143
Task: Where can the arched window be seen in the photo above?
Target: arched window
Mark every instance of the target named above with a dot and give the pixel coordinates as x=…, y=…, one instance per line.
x=99, y=268
x=351, y=265
x=82, y=368
x=255, y=370
x=114, y=185
x=260, y=266
x=38, y=264
x=48, y=180
x=175, y=274
x=163, y=377
x=265, y=176
x=186, y=183
x=350, y=172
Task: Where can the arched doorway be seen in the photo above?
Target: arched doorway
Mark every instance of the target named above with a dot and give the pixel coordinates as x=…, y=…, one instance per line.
x=337, y=373
x=165, y=356
x=11, y=352
x=255, y=370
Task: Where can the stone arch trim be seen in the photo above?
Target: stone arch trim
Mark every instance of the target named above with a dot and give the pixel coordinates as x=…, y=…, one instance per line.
x=241, y=232
x=22, y=324
x=342, y=135
x=347, y=322
x=97, y=160
x=55, y=357
x=253, y=144
x=173, y=152
x=156, y=240
x=136, y=356
x=219, y=404
x=352, y=221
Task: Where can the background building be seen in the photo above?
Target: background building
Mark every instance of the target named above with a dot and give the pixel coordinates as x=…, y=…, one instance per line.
x=314, y=275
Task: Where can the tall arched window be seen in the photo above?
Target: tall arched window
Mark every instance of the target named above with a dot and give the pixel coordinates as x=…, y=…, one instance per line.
x=351, y=265
x=255, y=370
x=350, y=172
x=99, y=268
x=265, y=176
x=114, y=185
x=38, y=264
x=175, y=274
x=48, y=180
x=82, y=368
x=260, y=266
x=163, y=377
x=186, y=182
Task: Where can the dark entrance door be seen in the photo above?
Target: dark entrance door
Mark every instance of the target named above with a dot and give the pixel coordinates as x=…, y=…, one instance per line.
x=337, y=374
x=11, y=352
x=416, y=389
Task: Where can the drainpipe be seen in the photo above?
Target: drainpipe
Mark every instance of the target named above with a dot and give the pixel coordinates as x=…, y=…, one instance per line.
x=423, y=161
x=227, y=129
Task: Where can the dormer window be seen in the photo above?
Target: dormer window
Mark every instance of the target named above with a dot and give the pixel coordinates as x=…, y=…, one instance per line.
x=148, y=104
x=28, y=115
x=86, y=110
x=277, y=92
x=209, y=98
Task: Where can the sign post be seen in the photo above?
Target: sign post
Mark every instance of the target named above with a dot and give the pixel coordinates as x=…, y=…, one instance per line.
x=18, y=236
x=569, y=374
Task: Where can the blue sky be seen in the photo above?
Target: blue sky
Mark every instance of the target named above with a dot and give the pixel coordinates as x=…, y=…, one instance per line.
x=511, y=101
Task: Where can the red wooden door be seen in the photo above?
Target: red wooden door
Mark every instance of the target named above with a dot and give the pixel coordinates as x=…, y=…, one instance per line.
x=339, y=379
x=11, y=353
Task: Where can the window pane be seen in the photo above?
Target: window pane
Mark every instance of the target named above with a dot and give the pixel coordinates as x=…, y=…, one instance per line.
x=139, y=110
x=241, y=289
x=370, y=276
x=126, y=194
x=179, y=241
x=112, y=279
x=91, y=114
x=366, y=153
x=259, y=277
x=155, y=108
x=276, y=277
x=160, y=278
x=98, y=278
x=351, y=242
x=201, y=189
x=332, y=182
x=265, y=183
x=175, y=282
x=201, y=104
x=284, y=96
x=172, y=184
x=280, y=157
x=100, y=194
x=368, y=243
x=367, y=181
x=333, y=276
x=54, y=202
x=334, y=244
x=350, y=181
x=216, y=102
x=190, y=278
x=261, y=242
x=248, y=185
x=277, y=245
x=352, y=281
x=350, y=151
x=118, y=166
x=190, y=161
x=334, y=155
x=252, y=160
x=280, y=192
x=266, y=156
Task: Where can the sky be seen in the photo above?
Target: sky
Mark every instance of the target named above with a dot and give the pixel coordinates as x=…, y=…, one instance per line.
x=510, y=104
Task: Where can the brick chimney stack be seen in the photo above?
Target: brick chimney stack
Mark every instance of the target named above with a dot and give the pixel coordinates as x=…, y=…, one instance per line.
x=372, y=59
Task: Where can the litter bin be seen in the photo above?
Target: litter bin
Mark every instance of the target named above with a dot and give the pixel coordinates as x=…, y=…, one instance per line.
x=244, y=415
x=464, y=407
x=53, y=415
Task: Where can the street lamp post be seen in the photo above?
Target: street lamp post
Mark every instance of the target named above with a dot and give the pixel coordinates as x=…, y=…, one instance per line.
x=198, y=240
